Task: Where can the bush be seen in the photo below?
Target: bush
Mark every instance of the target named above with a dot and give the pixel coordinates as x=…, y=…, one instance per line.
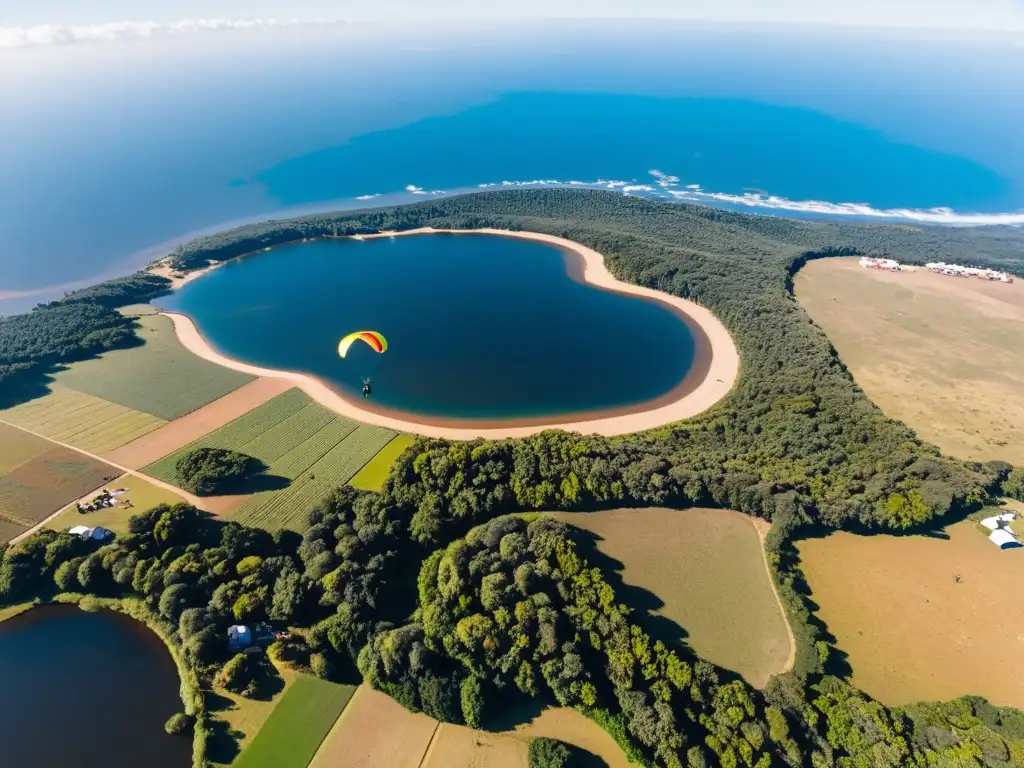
x=178, y=724
x=234, y=675
x=549, y=753
x=321, y=666
x=206, y=471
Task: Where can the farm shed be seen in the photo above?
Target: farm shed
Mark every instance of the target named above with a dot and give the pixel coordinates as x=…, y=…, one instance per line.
x=239, y=637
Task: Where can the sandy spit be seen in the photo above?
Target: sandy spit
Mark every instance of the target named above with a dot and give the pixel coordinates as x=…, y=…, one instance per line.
x=718, y=380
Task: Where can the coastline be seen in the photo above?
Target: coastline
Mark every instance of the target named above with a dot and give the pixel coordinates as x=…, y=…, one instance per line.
x=716, y=363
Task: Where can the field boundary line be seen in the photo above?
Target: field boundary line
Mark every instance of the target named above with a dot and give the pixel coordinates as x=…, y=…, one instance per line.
x=190, y=498
x=430, y=745
x=762, y=533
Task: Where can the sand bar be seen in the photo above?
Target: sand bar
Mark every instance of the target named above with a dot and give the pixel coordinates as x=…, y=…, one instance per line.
x=716, y=370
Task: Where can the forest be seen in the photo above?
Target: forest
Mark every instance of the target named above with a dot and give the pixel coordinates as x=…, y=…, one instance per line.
x=82, y=324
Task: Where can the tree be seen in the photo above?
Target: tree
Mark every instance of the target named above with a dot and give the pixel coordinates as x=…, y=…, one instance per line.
x=234, y=676
x=549, y=753
x=206, y=471
x=178, y=724
x=472, y=699
x=66, y=575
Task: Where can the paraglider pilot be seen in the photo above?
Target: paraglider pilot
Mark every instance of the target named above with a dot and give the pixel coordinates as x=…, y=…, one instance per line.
x=367, y=390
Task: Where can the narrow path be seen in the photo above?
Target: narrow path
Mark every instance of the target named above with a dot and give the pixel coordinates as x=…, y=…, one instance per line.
x=190, y=498
x=430, y=745
x=762, y=527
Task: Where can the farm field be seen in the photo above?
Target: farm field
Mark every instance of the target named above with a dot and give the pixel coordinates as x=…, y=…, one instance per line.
x=374, y=730
x=180, y=432
x=34, y=490
x=18, y=446
x=910, y=630
x=706, y=568
x=244, y=717
x=141, y=494
x=298, y=724
x=160, y=377
x=945, y=355
x=372, y=476
x=307, y=447
x=81, y=420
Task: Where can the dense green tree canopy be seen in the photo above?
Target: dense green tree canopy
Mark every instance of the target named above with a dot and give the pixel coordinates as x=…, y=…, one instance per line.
x=207, y=471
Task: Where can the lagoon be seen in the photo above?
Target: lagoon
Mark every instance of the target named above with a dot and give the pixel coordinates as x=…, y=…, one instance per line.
x=86, y=689
x=481, y=328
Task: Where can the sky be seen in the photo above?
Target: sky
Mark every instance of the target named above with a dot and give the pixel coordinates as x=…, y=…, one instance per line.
x=998, y=15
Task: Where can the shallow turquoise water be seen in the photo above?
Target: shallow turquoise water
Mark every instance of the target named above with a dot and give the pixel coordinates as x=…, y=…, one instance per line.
x=478, y=326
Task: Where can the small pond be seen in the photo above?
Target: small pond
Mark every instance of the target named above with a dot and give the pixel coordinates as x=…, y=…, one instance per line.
x=479, y=327
x=86, y=690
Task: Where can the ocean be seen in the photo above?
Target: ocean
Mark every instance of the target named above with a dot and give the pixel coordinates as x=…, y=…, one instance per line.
x=113, y=153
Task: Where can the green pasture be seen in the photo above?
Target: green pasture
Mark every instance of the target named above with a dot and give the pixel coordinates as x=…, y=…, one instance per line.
x=372, y=476
x=297, y=726
x=159, y=377
x=307, y=448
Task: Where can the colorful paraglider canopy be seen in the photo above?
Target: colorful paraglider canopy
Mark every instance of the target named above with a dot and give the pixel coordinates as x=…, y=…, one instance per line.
x=377, y=342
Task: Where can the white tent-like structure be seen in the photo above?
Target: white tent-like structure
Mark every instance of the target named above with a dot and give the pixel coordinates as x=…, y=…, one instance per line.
x=1002, y=536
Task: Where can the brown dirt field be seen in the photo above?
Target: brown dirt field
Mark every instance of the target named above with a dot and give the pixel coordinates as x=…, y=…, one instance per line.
x=910, y=630
x=375, y=731
x=180, y=432
x=707, y=568
x=17, y=447
x=943, y=354
x=41, y=486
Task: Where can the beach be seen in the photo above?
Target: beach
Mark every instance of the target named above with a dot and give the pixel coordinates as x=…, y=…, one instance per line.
x=716, y=365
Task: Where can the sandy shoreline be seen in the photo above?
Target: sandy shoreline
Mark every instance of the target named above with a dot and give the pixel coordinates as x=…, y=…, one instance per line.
x=716, y=365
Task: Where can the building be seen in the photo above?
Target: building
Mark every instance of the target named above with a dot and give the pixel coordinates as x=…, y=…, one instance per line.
x=1002, y=536
x=85, y=533
x=239, y=637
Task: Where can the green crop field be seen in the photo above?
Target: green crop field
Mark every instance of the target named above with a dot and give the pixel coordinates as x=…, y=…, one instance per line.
x=307, y=445
x=81, y=420
x=297, y=726
x=372, y=476
x=37, y=488
x=160, y=377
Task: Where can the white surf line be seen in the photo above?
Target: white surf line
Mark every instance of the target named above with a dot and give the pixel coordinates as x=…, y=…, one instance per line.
x=721, y=376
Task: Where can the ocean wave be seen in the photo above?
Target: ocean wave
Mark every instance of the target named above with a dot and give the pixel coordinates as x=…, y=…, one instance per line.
x=670, y=187
x=121, y=31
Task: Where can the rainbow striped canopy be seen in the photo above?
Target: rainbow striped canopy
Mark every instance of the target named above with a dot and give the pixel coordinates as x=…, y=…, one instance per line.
x=377, y=342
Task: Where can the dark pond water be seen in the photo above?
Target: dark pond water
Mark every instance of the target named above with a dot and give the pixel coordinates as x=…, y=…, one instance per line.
x=86, y=690
x=478, y=326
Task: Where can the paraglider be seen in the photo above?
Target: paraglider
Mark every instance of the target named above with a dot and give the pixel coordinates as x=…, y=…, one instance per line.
x=375, y=341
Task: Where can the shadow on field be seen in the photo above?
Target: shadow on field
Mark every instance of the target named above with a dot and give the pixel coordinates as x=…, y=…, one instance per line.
x=521, y=710
x=222, y=742
x=643, y=602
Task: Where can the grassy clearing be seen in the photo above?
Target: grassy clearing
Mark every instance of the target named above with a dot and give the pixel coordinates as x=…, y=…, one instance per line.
x=703, y=570
x=372, y=476
x=298, y=724
x=944, y=355
x=17, y=447
x=81, y=420
x=141, y=494
x=39, y=487
x=910, y=630
x=308, y=447
x=160, y=377
x=243, y=718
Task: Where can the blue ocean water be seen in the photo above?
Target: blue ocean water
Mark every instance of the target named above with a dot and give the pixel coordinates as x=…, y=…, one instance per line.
x=478, y=326
x=111, y=154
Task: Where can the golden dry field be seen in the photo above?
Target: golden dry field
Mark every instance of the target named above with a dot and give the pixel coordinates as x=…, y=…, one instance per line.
x=945, y=355
x=706, y=568
x=911, y=631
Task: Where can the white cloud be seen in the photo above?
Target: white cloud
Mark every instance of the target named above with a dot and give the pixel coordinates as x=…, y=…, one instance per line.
x=60, y=34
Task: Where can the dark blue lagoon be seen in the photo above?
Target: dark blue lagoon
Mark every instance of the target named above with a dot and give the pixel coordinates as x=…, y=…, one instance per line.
x=89, y=690
x=480, y=327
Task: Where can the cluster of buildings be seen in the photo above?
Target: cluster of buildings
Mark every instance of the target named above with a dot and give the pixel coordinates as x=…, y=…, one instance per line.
x=938, y=267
